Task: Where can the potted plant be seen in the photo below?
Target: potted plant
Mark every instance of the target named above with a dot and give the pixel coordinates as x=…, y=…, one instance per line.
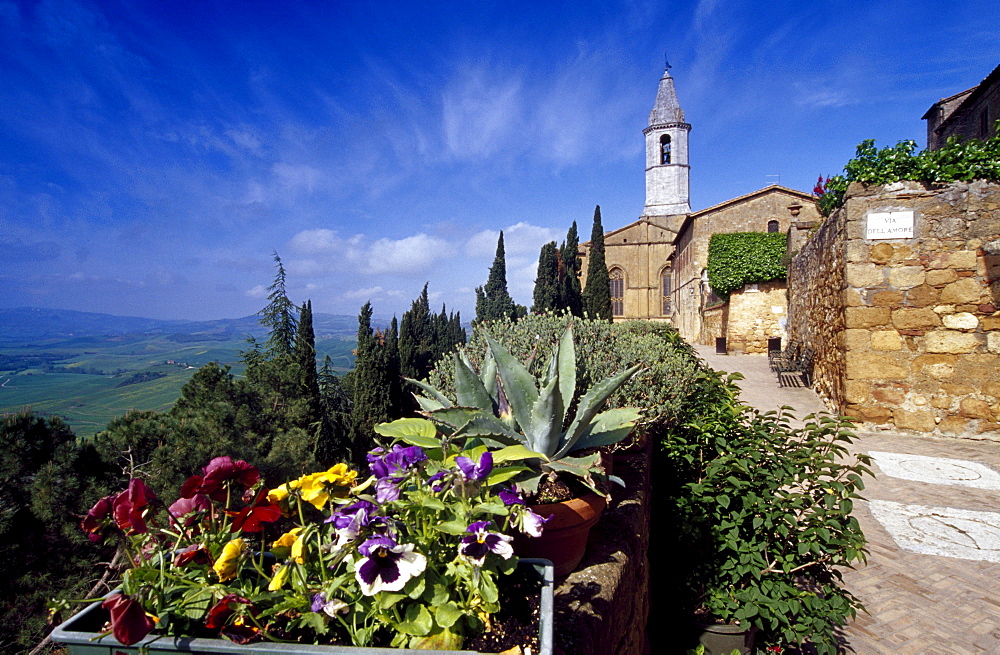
x=542, y=432
x=411, y=557
x=768, y=513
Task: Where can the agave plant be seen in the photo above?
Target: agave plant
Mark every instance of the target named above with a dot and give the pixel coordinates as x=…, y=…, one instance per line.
x=506, y=407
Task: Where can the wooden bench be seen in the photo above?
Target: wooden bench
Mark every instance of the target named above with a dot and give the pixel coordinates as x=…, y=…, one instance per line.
x=794, y=365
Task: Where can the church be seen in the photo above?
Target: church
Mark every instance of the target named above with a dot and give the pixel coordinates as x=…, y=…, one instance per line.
x=658, y=264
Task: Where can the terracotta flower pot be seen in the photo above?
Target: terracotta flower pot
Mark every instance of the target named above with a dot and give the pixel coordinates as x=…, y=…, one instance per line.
x=564, y=539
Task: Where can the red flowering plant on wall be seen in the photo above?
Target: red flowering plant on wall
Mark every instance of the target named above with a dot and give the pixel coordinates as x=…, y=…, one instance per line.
x=408, y=557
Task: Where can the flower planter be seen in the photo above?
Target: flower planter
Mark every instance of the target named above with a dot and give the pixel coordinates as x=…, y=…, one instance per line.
x=724, y=638
x=564, y=539
x=80, y=634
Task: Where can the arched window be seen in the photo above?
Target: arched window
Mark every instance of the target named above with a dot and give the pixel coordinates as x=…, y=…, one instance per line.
x=665, y=149
x=772, y=226
x=665, y=289
x=617, y=279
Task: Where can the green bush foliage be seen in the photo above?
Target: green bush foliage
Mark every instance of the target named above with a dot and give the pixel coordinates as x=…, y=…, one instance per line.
x=763, y=515
x=602, y=349
x=739, y=258
x=958, y=160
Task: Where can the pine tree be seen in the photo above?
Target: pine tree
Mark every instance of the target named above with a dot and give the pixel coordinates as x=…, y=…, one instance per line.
x=569, y=281
x=546, y=295
x=493, y=301
x=597, y=295
x=278, y=315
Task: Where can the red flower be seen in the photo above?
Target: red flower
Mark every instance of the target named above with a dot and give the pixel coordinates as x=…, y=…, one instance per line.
x=98, y=518
x=129, y=507
x=189, y=505
x=219, y=471
x=221, y=612
x=250, y=517
x=193, y=553
x=129, y=622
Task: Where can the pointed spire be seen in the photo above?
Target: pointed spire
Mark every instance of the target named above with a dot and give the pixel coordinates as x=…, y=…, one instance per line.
x=666, y=109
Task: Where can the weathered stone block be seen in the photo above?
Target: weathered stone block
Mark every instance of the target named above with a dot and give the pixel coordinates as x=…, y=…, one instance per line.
x=940, y=277
x=853, y=298
x=870, y=366
x=866, y=317
x=935, y=366
x=951, y=341
x=864, y=275
x=857, y=251
x=856, y=340
x=991, y=322
x=886, y=340
x=953, y=425
x=957, y=389
x=954, y=259
x=915, y=318
x=975, y=408
x=921, y=420
x=993, y=341
x=889, y=395
x=965, y=290
x=869, y=413
x=906, y=277
x=887, y=298
x=941, y=401
x=922, y=296
x=960, y=321
x=856, y=392
x=881, y=252
x=992, y=388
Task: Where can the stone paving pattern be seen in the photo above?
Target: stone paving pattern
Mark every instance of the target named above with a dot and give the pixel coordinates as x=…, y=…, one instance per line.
x=917, y=604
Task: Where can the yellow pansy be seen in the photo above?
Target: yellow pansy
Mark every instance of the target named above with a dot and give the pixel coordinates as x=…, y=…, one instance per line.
x=289, y=544
x=278, y=581
x=225, y=567
x=317, y=488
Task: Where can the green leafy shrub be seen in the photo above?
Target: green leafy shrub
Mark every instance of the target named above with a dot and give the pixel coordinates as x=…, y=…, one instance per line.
x=739, y=258
x=764, y=511
x=958, y=160
x=602, y=350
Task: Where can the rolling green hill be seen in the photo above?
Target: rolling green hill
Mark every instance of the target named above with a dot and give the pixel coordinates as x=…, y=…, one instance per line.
x=91, y=368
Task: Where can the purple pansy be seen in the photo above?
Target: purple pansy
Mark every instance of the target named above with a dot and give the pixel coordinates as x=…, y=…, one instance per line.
x=475, y=472
x=395, y=461
x=480, y=542
x=386, y=491
x=330, y=607
x=386, y=565
x=349, y=521
x=528, y=522
x=510, y=497
x=435, y=480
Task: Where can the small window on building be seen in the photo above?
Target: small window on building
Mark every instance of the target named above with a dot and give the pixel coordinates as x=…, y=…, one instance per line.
x=665, y=149
x=665, y=287
x=772, y=226
x=617, y=278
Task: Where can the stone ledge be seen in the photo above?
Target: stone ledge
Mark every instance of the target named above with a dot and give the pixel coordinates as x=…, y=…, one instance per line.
x=602, y=607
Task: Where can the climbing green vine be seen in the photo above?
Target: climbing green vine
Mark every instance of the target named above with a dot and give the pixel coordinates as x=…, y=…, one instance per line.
x=957, y=160
x=739, y=258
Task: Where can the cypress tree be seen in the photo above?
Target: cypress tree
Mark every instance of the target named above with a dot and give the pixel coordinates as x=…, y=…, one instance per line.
x=416, y=338
x=336, y=406
x=372, y=390
x=597, y=295
x=305, y=355
x=493, y=302
x=278, y=315
x=569, y=280
x=546, y=296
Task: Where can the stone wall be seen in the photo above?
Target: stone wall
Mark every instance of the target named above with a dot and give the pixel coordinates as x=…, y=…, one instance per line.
x=755, y=314
x=816, y=286
x=713, y=322
x=917, y=318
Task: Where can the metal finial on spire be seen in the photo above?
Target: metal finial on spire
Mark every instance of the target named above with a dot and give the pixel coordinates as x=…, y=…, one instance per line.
x=666, y=64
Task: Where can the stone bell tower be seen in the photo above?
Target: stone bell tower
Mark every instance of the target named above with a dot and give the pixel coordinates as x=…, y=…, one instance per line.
x=667, y=169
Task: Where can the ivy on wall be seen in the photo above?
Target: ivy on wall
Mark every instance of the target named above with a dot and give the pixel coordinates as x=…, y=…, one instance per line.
x=739, y=258
x=957, y=160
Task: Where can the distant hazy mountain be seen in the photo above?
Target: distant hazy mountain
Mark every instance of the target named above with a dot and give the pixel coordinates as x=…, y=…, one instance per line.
x=30, y=324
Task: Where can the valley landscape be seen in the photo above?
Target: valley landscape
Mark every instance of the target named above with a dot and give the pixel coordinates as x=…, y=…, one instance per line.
x=89, y=368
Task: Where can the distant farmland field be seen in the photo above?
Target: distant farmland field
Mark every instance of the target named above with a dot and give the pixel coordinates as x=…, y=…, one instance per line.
x=82, y=378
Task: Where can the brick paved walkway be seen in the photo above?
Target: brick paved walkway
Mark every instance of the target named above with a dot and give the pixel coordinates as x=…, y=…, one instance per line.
x=917, y=603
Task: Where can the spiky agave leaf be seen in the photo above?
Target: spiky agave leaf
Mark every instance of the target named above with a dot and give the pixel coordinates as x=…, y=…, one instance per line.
x=518, y=383
x=469, y=388
x=547, y=416
x=590, y=405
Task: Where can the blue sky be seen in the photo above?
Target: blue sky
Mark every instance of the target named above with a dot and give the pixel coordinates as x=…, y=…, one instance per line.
x=154, y=154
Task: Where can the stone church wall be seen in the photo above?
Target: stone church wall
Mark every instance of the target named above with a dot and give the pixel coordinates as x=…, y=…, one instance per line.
x=916, y=319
